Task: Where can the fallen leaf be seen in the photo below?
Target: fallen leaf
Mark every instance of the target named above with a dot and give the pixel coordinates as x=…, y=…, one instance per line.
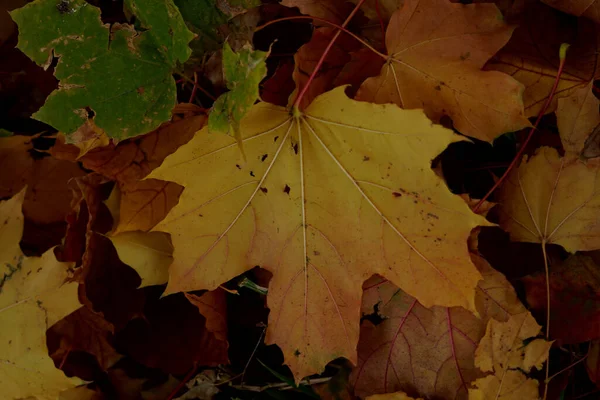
x=552, y=200
x=213, y=306
x=578, y=117
x=127, y=87
x=335, y=11
x=504, y=352
x=363, y=64
x=326, y=198
x=531, y=55
x=80, y=393
x=427, y=351
x=574, y=299
x=307, y=58
x=436, y=52
x=148, y=253
x=34, y=295
x=581, y=8
x=278, y=88
x=83, y=330
x=15, y=157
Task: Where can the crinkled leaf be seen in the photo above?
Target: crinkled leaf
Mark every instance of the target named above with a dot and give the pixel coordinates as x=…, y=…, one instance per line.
x=116, y=75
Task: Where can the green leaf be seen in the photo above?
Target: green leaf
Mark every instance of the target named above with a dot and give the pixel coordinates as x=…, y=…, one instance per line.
x=243, y=72
x=5, y=133
x=118, y=75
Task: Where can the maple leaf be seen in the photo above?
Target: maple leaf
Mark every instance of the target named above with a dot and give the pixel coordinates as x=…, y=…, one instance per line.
x=213, y=306
x=549, y=199
x=581, y=8
x=332, y=10
x=436, y=52
x=33, y=296
x=117, y=76
x=503, y=352
x=325, y=199
x=427, y=351
x=578, y=118
x=531, y=56
x=574, y=299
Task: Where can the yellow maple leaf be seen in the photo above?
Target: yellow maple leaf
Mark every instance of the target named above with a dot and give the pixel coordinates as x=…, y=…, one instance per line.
x=549, y=199
x=33, y=296
x=326, y=198
x=503, y=352
x=392, y=396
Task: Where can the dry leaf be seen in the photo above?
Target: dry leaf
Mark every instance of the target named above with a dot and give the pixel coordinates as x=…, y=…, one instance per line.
x=326, y=199
x=503, y=352
x=531, y=56
x=552, y=200
x=335, y=11
x=34, y=295
x=437, y=50
x=392, y=396
x=213, y=306
x=83, y=330
x=429, y=351
x=592, y=363
x=577, y=117
x=574, y=299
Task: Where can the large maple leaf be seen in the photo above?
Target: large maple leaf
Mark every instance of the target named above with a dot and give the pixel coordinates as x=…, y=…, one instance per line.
x=436, y=52
x=326, y=198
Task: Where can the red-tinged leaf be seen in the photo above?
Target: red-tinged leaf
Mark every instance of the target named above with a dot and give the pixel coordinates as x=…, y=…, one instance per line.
x=592, y=364
x=83, y=330
x=278, y=88
x=574, y=299
x=307, y=57
x=332, y=10
x=427, y=351
x=363, y=64
x=213, y=306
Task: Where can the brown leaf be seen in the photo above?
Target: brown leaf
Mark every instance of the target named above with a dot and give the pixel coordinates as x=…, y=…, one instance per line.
x=592, y=364
x=574, y=299
x=213, y=306
x=437, y=50
x=427, y=351
x=363, y=64
x=335, y=11
x=15, y=157
x=531, y=56
x=278, y=88
x=308, y=56
x=83, y=330
x=145, y=203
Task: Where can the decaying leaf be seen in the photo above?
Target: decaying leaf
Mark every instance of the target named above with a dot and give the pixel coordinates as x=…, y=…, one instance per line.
x=118, y=76
x=34, y=295
x=578, y=119
x=326, y=198
x=532, y=55
x=574, y=299
x=332, y=10
x=592, y=363
x=392, y=396
x=504, y=352
x=549, y=199
x=427, y=351
x=436, y=52
x=243, y=71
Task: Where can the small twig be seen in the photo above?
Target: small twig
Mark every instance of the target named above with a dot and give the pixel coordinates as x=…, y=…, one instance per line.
x=282, y=386
x=252, y=355
x=185, y=380
x=517, y=158
x=195, y=89
x=566, y=368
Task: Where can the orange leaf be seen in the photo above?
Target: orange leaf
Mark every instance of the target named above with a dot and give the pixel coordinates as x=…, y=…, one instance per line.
x=213, y=306
x=437, y=50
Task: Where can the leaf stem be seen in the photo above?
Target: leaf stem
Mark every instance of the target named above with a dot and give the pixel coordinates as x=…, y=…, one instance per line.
x=340, y=27
x=547, y=271
x=322, y=59
x=563, y=50
x=381, y=23
x=185, y=380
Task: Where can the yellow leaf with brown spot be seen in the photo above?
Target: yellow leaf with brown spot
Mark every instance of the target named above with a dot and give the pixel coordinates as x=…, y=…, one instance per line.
x=325, y=199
